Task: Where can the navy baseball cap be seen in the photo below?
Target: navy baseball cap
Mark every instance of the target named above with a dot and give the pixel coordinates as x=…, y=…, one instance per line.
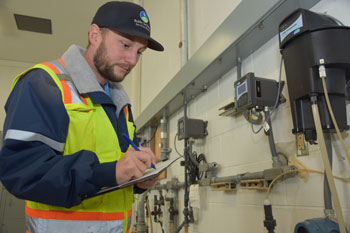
x=127, y=18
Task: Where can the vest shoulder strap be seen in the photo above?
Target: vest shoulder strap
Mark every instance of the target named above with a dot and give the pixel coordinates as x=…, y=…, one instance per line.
x=69, y=91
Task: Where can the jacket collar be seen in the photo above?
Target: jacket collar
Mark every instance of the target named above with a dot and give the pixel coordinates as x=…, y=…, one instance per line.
x=85, y=80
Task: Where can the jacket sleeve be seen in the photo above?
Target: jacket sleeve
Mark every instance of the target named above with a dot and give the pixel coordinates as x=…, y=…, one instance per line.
x=32, y=166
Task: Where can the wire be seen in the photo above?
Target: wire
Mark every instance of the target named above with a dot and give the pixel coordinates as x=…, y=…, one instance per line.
x=247, y=115
x=253, y=116
x=256, y=132
x=346, y=180
x=201, y=158
x=192, y=168
x=284, y=155
x=161, y=226
x=278, y=89
x=175, y=145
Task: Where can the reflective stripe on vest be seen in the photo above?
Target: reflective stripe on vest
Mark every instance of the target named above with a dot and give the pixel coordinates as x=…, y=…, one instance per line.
x=89, y=129
x=30, y=136
x=42, y=226
x=78, y=216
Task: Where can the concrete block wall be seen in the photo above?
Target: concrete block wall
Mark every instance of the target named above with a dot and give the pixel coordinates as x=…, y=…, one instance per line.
x=232, y=144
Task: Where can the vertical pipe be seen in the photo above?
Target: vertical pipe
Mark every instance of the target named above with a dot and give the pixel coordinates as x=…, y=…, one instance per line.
x=187, y=191
x=164, y=150
x=275, y=161
x=326, y=190
x=140, y=220
x=330, y=178
x=239, y=68
x=184, y=39
x=184, y=59
x=175, y=222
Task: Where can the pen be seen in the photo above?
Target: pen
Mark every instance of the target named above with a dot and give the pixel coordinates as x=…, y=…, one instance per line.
x=134, y=146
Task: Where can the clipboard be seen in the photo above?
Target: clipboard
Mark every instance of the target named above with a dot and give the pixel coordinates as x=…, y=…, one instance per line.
x=148, y=175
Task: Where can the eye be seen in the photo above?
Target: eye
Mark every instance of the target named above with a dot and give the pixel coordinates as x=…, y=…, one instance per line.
x=140, y=51
x=125, y=45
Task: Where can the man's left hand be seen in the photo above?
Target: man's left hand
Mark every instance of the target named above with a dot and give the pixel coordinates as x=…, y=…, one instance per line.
x=148, y=183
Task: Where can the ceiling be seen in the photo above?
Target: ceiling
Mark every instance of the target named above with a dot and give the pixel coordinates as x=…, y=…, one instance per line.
x=70, y=24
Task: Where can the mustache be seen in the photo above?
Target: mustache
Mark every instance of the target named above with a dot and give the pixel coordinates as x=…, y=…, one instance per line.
x=124, y=66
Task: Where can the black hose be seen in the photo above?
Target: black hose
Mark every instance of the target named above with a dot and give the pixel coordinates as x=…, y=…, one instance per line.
x=269, y=222
x=180, y=227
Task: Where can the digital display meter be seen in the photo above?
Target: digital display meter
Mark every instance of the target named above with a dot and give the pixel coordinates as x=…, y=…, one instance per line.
x=254, y=92
x=241, y=88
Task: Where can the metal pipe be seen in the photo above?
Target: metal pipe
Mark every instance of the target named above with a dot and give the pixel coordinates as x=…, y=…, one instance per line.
x=184, y=39
x=239, y=68
x=140, y=220
x=187, y=163
x=267, y=174
x=164, y=145
x=275, y=160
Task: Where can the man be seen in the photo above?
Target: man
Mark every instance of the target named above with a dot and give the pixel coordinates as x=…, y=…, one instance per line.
x=62, y=133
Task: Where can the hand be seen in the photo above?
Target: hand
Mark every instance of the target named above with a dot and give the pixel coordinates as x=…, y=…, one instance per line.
x=133, y=164
x=148, y=183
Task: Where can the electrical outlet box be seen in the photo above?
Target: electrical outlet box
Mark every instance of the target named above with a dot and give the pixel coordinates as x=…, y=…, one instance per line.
x=254, y=92
x=191, y=128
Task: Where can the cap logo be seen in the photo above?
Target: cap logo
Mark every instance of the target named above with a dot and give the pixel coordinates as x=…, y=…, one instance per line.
x=144, y=16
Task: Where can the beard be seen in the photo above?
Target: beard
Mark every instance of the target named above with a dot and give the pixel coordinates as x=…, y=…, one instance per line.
x=103, y=66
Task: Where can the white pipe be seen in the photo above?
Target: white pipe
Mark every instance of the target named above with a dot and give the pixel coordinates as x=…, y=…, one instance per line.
x=184, y=39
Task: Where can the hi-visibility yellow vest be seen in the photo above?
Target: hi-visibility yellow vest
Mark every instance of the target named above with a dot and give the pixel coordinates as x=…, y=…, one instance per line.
x=89, y=129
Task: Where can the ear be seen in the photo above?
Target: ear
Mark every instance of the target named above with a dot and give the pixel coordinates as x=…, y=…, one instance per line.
x=94, y=34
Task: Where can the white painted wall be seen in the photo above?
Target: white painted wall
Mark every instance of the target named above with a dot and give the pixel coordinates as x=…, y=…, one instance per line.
x=158, y=68
x=8, y=71
x=231, y=142
x=11, y=208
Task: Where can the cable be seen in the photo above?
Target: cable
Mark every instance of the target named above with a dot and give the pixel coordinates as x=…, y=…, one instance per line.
x=333, y=118
x=201, y=158
x=279, y=85
x=256, y=132
x=161, y=226
x=252, y=116
x=346, y=180
x=284, y=155
x=326, y=163
x=175, y=146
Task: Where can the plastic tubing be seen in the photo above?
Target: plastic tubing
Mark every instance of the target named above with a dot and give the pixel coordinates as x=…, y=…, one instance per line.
x=327, y=165
x=333, y=118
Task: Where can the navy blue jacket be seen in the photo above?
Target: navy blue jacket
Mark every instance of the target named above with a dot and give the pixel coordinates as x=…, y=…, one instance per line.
x=34, y=171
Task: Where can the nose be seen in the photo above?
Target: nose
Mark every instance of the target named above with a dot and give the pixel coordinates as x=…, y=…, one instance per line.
x=132, y=58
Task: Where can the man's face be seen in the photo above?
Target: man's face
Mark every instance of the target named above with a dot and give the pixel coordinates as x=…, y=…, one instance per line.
x=117, y=54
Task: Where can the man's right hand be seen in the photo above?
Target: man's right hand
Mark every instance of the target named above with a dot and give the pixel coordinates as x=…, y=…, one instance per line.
x=133, y=164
